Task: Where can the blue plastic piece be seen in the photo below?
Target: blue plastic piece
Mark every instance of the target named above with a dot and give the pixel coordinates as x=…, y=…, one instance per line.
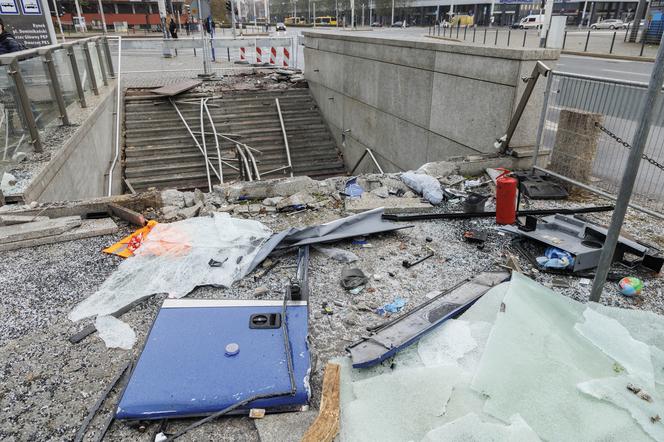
x=353, y=190
x=184, y=369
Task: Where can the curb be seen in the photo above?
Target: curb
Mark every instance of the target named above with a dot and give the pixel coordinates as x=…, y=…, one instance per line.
x=609, y=56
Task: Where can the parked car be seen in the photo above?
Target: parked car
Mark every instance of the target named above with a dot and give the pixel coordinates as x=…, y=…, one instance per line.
x=281, y=27
x=399, y=24
x=608, y=24
x=376, y=24
x=629, y=25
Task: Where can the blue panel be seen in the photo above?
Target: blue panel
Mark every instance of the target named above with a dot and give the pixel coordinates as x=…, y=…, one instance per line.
x=184, y=371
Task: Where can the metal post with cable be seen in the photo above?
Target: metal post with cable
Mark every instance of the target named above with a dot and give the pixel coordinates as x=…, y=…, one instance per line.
x=117, y=118
x=629, y=175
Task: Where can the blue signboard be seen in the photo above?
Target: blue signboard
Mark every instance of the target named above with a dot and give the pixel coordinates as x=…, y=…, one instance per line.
x=31, y=7
x=8, y=7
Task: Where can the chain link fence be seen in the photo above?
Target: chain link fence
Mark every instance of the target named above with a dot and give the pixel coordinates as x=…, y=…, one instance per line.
x=587, y=126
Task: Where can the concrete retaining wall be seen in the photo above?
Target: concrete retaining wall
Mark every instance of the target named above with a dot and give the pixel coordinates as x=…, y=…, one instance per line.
x=416, y=101
x=78, y=170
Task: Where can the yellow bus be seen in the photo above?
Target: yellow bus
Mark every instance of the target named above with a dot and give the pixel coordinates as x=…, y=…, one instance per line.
x=326, y=21
x=294, y=20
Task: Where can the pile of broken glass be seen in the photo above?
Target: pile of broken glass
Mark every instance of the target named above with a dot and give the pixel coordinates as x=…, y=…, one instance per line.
x=522, y=364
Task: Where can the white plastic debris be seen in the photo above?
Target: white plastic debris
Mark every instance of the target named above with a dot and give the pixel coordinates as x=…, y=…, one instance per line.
x=426, y=185
x=337, y=254
x=115, y=333
x=174, y=259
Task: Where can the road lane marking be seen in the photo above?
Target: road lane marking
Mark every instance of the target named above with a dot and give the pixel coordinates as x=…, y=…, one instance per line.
x=626, y=72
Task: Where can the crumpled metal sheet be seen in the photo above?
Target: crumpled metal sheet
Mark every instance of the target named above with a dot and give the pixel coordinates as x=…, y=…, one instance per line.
x=365, y=223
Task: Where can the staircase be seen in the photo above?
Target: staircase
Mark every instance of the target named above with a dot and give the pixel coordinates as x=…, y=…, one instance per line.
x=159, y=151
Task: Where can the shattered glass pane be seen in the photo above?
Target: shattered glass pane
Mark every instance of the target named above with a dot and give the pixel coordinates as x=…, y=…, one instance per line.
x=398, y=406
x=615, y=341
x=175, y=258
x=471, y=428
x=646, y=407
x=115, y=333
x=536, y=329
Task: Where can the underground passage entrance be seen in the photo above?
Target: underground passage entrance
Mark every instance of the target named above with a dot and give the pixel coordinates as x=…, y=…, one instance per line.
x=247, y=135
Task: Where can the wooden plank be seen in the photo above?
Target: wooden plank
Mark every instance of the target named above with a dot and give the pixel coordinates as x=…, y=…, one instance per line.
x=127, y=214
x=326, y=426
x=87, y=229
x=172, y=90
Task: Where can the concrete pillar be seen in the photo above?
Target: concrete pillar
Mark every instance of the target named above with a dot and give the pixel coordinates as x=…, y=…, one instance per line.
x=576, y=144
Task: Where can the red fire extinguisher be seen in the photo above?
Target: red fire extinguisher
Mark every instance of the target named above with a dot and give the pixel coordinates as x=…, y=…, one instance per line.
x=506, y=188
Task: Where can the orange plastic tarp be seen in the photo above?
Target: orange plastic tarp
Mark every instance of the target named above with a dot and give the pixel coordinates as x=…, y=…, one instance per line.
x=127, y=245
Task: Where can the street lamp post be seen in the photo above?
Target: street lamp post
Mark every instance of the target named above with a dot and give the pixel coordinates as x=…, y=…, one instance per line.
x=392, y=13
x=352, y=14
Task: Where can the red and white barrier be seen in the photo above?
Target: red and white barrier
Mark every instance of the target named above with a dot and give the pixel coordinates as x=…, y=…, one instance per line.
x=259, y=55
x=243, y=57
x=273, y=56
x=286, y=58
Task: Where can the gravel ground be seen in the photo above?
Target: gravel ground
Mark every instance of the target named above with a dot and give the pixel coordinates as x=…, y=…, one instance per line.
x=48, y=384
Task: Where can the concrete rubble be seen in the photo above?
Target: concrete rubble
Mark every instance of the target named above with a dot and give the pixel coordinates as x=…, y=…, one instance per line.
x=50, y=383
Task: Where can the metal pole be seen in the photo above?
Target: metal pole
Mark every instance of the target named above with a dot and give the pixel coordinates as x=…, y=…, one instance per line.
x=103, y=17
x=57, y=15
x=55, y=86
x=77, y=76
x=392, y=13
x=233, y=17
x=118, y=117
x=25, y=105
x=585, y=48
x=638, y=15
x=283, y=130
x=544, y=30
x=352, y=14
x=629, y=176
x=583, y=14
x=613, y=40
x=100, y=58
x=206, y=53
x=542, y=119
x=84, y=27
x=109, y=57
x=90, y=68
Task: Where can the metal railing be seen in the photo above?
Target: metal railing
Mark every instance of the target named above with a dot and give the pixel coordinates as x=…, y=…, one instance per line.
x=38, y=85
x=620, y=39
x=588, y=124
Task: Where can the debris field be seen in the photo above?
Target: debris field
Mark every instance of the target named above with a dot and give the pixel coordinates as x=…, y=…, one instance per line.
x=454, y=384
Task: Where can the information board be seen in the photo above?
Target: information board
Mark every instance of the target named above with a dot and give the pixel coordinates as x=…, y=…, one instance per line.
x=29, y=21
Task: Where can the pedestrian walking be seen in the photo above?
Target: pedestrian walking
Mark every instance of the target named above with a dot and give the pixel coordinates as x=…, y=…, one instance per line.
x=173, y=28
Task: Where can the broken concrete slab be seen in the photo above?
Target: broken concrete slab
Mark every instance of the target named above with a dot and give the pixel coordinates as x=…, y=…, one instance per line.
x=172, y=197
x=439, y=169
x=300, y=199
x=392, y=204
x=284, y=427
x=10, y=220
x=87, y=228
x=284, y=187
x=27, y=231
